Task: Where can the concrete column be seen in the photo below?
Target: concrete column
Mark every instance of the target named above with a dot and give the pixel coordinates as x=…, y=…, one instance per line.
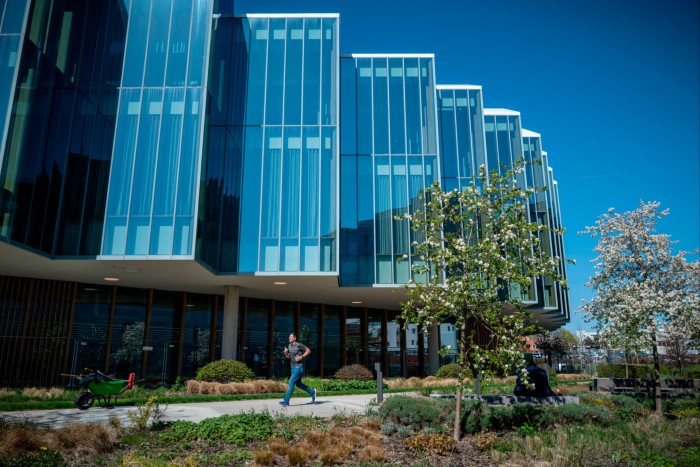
x=229, y=332
x=433, y=349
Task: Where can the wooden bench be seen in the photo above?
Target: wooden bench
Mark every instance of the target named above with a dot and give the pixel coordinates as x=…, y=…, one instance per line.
x=670, y=387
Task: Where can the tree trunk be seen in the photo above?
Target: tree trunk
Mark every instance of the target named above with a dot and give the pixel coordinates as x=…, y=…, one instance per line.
x=657, y=376
x=627, y=367
x=457, y=434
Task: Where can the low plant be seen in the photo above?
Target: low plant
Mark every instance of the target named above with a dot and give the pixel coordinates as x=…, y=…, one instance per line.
x=440, y=443
x=353, y=372
x=417, y=412
x=225, y=371
x=237, y=429
x=350, y=385
x=151, y=411
x=451, y=370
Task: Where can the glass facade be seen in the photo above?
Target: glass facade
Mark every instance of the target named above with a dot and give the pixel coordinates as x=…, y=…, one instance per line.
x=248, y=149
x=389, y=154
x=272, y=135
x=61, y=69
x=157, y=147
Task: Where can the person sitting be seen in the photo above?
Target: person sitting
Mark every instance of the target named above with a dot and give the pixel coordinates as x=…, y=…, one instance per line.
x=538, y=380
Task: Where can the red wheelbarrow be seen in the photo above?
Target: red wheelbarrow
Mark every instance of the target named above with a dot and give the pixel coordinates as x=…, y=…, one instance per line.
x=104, y=388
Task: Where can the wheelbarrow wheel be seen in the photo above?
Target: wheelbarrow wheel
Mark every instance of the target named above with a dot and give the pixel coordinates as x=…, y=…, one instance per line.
x=84, y=400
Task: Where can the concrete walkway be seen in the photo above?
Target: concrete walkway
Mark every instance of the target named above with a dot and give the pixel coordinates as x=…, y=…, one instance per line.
x=323, y=407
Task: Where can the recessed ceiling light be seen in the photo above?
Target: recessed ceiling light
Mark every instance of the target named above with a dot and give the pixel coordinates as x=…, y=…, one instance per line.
x=356, y=303
x=132, y=269
x=280, y=283
x=111, y=279
x=90, y=289
x=190, y=305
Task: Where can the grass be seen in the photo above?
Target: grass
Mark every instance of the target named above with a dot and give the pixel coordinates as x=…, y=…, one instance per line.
x=649, y=440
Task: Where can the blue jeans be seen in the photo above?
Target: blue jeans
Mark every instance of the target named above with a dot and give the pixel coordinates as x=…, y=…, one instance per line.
x=295, y=380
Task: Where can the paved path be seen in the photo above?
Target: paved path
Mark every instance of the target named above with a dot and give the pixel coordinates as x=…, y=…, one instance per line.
x=323, y=407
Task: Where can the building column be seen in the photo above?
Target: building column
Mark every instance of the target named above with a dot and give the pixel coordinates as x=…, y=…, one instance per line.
x=433, y=349
x=229, y=332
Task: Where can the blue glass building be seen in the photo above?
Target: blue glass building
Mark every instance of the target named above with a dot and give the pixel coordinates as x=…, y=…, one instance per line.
x=180, y=184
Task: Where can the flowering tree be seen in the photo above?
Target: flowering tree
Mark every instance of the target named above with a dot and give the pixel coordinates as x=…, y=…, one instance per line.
x=640, y=285
x=474, y=259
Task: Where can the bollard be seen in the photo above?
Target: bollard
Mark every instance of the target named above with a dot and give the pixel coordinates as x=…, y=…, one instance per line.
x=380, y=383
x=478, y=385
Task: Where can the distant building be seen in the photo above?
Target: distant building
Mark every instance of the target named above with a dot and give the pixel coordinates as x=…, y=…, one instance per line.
x=181, y=185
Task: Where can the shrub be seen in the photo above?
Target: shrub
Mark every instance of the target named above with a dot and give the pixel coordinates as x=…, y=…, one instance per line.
x=417, y=412
x=440, y=444
x=225, y=371
x=353, y=372
x=389, y=428
x=334, y=385
x=450, y=370
x=579, y=414
x=238, y=429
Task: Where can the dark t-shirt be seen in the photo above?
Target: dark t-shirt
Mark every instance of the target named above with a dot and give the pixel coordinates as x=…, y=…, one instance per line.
x=296, y=348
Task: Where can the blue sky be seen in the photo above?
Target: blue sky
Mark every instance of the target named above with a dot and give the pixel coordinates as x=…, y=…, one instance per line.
x=613, y=86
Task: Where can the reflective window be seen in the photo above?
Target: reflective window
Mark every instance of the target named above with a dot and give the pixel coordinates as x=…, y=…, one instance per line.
x=293, y=71
x=275, y=72
x=312, y=71
x=250, y=207
x=354, y=336
x=396, y=106
x=380, y=106
x=255, y=105
x=178, y=43
x=139, y=15
x=157, y=50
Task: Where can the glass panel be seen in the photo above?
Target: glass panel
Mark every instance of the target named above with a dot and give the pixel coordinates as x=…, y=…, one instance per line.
x=291, y=183
x=163, y=336
x=308, y=335
x=393, y=344
x=136, y=44
x=382, y=199
x=166, y=171
x=157, y=43
x=364, y=106
x=381, y=107
x=464, y=134
x=504, y=156
x=428, y=105
x=348, y=106
x=448, y=134
x=292, y=85
x=328, y=180
x=365, y=219
x=256, y=72
x=178, y=44
x=270, y=214
x=196, y=346
x=310, y=183
x=331, y=339
x=199, y=48
x=144, y=165
x=284, y=324
x=329, y=71
x=354, y=332
x=491, y=143
x=275, y=72
x=374, y=336
x=14, y=17
x=128, y=331
x=312, y=71
x=90, y=326
x=413, y=106
x=396, y=106
x=256, y=347
x=8, y=61
x=250, y=209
